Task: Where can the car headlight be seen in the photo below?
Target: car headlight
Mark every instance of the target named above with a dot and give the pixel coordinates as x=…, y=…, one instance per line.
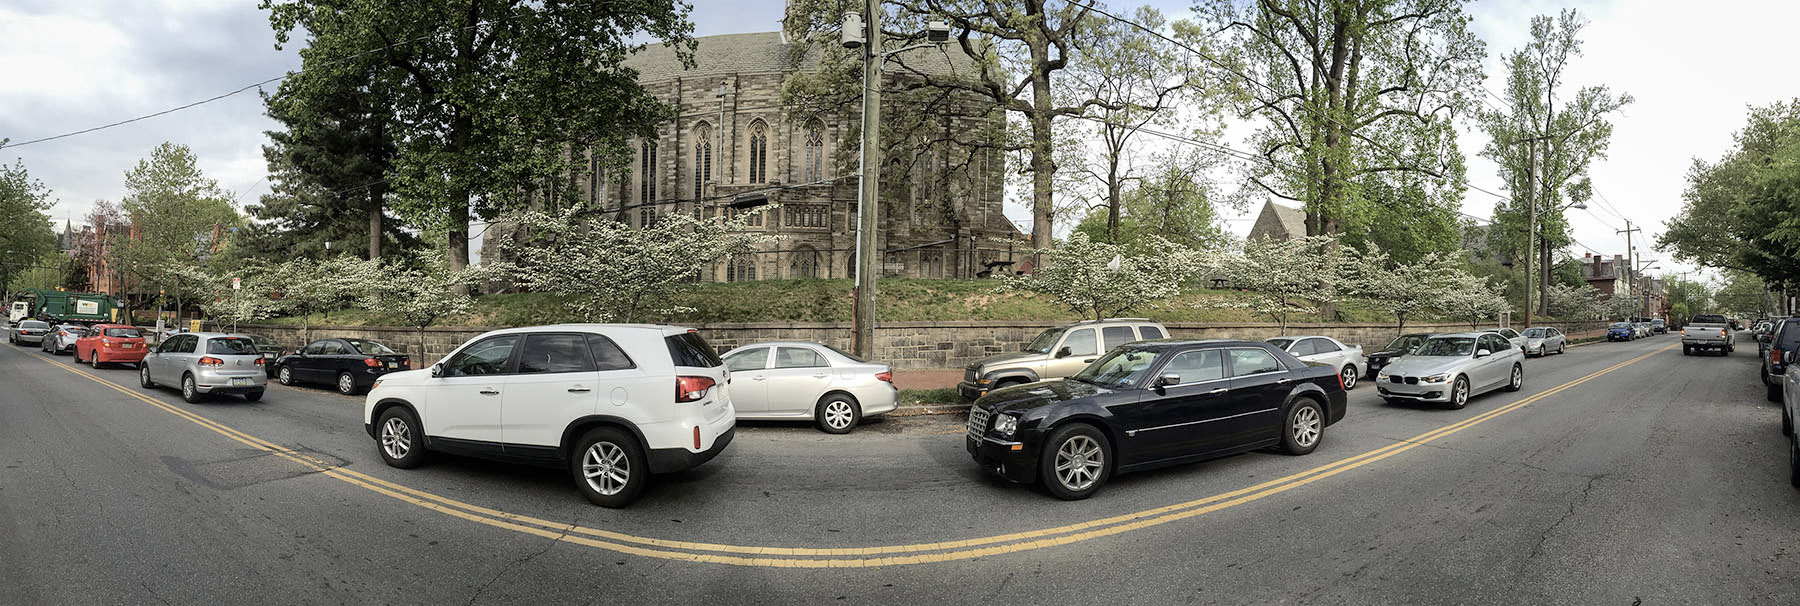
x=1005, y=425
x=1537, y=343
x=376, y=386
x=1436, y=378
x=1381, y=377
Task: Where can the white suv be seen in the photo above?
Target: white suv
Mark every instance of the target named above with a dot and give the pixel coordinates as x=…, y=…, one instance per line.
x=613, y=402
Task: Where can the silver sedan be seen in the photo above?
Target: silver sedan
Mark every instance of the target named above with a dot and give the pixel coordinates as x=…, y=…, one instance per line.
x=798, y=380
x=1347, y=359
x=61, y=339
x=1544, y=340
x=1453, y=368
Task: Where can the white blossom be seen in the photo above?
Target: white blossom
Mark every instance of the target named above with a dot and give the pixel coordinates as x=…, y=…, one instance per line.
x=1098, y=279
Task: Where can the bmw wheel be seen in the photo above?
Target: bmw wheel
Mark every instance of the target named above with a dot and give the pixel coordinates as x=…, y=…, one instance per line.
x=837, y=414
x=1349, y=376
x=1459, y=392
x=1074, y=463
x=1518, y=378
x=609, y=467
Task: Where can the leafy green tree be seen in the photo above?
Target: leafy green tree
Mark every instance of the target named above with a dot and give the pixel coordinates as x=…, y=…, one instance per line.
x=305, y=286
x=1688, y=297
x=1349, y=94
x=25, y=234
x=489, y=96
x=1534, y=136
x=328, y=171
x=1743, y=291
x=1174, y=202
x=614, y=272
x=1099, y=279
x=1403, y=290
x=1735, y=212
x=180, y=219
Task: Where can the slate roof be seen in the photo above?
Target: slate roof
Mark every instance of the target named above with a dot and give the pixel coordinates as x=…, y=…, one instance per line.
x=1279, y=222
x=765, y=52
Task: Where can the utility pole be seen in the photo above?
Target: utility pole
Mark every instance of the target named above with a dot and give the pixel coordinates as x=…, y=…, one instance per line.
x=1630, y=258
x=868, y=183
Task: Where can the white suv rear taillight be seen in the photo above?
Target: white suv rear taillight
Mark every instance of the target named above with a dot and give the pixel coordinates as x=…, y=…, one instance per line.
x=692, y=389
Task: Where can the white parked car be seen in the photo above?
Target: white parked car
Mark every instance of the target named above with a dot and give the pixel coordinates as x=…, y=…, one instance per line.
x=1453, y=368
x=1512, y=336
x=1347, y=359
x=797, y=380
x=614, y=402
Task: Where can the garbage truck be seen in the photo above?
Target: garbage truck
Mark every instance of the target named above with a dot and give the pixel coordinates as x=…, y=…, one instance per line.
x=60, y=306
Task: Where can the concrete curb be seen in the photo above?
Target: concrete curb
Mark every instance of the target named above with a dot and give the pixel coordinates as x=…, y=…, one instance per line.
x=917, y=409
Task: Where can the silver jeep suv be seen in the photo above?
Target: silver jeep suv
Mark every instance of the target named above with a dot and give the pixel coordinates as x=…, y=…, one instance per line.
x=1056, y=353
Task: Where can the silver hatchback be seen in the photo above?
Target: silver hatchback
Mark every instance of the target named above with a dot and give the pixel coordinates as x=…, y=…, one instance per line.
x=204, y=363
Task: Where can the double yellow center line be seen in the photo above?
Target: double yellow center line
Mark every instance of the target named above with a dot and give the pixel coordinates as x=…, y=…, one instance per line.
x=847, y=557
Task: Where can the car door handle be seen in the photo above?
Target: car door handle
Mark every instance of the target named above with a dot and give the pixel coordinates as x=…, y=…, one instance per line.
x=1089, y=360
x=490, y=392
x=758, y=378
x=1283, y=381
x=821, y=376
x=579, y=389
x=1219, y=390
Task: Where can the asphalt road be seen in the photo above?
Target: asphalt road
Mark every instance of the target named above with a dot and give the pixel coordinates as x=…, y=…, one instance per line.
x=1624, y=472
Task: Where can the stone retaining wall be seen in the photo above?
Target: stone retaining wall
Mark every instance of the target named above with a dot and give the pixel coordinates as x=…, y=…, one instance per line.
x=905, y=345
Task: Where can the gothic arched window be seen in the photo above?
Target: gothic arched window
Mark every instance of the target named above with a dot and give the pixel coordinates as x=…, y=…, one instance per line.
x=703, y=148
x=759, y=152
x=815, y=151
x=647, y=173
x=805, y=263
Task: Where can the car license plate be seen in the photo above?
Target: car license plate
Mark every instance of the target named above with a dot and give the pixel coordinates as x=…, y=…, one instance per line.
x=240, y=381
x=393, y=365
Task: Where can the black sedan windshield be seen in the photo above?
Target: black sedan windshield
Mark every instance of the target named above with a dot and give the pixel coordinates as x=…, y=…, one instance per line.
x=1121, y=368
x=1452, y=346
x=1405, y=343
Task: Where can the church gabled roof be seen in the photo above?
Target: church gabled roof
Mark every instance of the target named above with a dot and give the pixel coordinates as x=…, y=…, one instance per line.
x=1279, y=222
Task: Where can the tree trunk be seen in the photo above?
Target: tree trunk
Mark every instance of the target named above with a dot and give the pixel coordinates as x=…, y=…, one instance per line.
x=376, y=195
x=1043, y=164
x=459, y=241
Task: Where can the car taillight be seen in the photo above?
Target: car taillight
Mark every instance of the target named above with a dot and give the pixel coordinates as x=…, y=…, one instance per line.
x=406, y=362
x=212, y=361
x=106, y=342
x=692, y=389
x=1774, y=356
x=259, y=360
x=885, y=377
x=371, y=362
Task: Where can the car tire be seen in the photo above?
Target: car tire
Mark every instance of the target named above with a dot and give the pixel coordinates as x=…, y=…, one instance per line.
x=144, y=376
x=1348, y=375
x=1075, y=447
x=285, y=375
x=1687, y=351
x=604, y=452
x=346, y=384
x=1773, y=392
x=253, y=395
x=94, y=361
x=1459, y=392
x=190, y=391
x=1794, y=460
x=1304, y=428
x=1787, y=422
x=399, y=439
x=1518, y=378
x=837, y=414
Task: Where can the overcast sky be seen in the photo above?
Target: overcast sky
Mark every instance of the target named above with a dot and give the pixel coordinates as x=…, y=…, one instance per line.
x=73, y=64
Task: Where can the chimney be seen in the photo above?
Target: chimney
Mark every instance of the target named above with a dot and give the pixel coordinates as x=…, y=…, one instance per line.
x=1597, y=265
x=1618, y=262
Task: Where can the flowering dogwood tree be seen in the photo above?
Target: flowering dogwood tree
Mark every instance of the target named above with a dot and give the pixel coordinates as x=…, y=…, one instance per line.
x=1280, y=278
x=307, y=286
x=1099, y=279
x=252, y=301
x=1403, y=290
x=1474, y=298
x=421, y=290
x=614, y=272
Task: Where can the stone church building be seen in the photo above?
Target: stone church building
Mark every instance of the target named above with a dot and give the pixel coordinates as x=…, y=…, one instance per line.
x=940, y=211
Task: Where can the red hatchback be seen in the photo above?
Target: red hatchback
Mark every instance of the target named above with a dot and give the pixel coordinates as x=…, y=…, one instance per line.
x=106, y=343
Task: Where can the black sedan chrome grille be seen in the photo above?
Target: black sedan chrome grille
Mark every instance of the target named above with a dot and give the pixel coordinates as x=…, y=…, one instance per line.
x=978, y=420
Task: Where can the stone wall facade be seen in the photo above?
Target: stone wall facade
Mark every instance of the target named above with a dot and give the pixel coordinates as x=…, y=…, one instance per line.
x=905, y=345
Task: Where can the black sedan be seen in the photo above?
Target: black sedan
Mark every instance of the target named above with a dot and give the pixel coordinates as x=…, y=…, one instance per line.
x=1152, y=404
x=1399, y=347
x=352, y=365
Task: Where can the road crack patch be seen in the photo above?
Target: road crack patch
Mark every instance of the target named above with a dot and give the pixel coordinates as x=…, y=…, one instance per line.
x=1544, y=537
x=520, y=561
